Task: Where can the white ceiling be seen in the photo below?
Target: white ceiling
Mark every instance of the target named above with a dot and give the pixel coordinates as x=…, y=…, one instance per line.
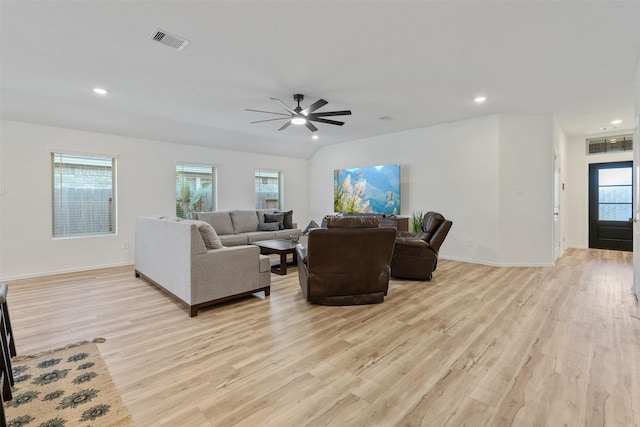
x=418, y=62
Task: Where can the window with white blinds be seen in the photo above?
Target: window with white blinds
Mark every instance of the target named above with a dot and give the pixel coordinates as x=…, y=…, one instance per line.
x=268, y=189
x=82, y=195
x=195, y=189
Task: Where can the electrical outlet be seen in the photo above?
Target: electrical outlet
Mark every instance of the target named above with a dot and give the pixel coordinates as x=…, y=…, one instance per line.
x=470, y=243
x=125, y=244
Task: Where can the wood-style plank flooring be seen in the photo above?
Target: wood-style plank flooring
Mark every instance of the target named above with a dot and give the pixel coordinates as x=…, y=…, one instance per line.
x=476, y=346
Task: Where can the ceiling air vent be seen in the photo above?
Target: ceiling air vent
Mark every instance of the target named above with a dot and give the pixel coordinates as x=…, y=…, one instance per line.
x=169, y=39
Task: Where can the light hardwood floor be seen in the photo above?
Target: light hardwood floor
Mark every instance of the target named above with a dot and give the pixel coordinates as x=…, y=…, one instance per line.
x=476, y=346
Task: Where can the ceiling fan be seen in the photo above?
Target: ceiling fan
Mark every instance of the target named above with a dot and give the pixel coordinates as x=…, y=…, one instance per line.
x=303, y=116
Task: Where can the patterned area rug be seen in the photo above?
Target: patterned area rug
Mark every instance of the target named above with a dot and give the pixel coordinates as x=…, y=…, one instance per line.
x=65, y=387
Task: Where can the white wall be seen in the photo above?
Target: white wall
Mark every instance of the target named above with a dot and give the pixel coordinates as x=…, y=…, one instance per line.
x=526, y=189
x=637, y=89
x=146, y=186
x=577, y=186
x=467, y=170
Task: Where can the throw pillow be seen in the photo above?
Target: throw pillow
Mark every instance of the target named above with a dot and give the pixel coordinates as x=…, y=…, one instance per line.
x=310, y=227
x=269, y=226
x=209, y=235
x=276, y=217
x=287, y=221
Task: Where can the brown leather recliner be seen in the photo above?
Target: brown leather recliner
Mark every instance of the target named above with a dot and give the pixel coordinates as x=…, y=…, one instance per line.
x=415, y=256
x=347, y=263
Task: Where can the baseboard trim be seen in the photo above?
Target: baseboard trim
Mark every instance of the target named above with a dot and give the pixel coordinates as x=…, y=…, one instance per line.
x=70, y=270
x=497, y=264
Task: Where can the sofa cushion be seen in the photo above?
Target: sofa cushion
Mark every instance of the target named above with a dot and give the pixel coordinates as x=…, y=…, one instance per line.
x=234, y=239
x=244, y=221
x=276, y=217
x=221, y=221
x=257, y=236
x=209, y=235
x=269, y=226
x=287, y=220
x=286, y=234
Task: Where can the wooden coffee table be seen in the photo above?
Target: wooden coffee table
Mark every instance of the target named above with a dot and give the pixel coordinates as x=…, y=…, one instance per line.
x=282, y=247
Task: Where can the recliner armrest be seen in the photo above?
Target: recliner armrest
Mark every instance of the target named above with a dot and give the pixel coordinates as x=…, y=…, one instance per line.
x=412, y=242
x=405, y=234
x=301, y=252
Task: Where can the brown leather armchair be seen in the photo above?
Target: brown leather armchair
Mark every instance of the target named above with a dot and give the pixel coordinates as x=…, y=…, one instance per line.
x=415, y=256
x=347, y=263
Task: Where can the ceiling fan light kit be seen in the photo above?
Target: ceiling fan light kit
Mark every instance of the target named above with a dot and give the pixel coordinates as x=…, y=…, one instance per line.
x=303, y=116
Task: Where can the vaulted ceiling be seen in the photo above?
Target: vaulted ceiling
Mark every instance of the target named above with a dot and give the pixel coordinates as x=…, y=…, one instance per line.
x=397, y=65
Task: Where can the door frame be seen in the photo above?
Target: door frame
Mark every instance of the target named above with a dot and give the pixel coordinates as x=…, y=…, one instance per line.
x=592, y=212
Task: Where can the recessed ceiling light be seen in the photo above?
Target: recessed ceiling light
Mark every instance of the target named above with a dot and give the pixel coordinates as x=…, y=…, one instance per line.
x=315, y=137
x=480, y=99
x=385, y=118
x=616, y=122
x=100, y=91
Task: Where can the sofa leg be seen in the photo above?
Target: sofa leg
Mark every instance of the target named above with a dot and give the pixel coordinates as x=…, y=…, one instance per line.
x=137, y=274
x=267, y=291
x=193, y=310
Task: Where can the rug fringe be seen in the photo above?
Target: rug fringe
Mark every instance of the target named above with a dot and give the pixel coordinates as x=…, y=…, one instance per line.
x=33, y=356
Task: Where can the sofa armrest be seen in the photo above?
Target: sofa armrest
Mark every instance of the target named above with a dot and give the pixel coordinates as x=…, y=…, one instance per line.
x=219, y=273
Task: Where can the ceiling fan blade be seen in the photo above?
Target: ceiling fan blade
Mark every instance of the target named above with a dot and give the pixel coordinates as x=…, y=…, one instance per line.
x=270, y=112
x=313, y=107
x=310, y=126
x=331, y=113
x=285, y=106
x=270, y=120
x=286, y=125
x=331, y=122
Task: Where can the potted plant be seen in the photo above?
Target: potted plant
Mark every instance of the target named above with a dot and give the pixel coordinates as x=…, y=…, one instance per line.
x=416, y=221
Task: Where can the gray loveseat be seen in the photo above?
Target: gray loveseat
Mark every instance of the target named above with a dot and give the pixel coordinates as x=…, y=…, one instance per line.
x=173, y=254
x=241, y=227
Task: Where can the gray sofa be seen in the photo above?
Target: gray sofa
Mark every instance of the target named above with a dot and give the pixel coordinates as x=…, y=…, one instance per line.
x=241, y=227
x=173, y=254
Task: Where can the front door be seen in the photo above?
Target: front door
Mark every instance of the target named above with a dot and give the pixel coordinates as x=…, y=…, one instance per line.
x=611, y=206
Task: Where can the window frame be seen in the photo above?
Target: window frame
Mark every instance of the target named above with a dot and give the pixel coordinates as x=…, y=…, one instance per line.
x=214, y=184
x=609, y=144
x=112, y=213
x=280, y=199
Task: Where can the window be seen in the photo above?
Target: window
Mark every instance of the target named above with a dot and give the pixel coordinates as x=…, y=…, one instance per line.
x=268, y=190
x=615, y=194
x=610, y=144
x=83, y=195
x=195, y=186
